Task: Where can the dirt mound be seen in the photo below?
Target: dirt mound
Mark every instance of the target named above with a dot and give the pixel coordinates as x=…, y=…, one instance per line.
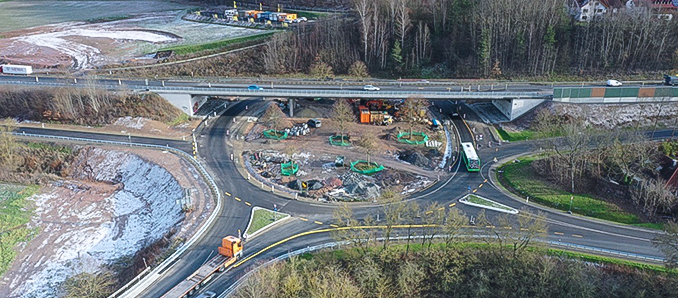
x=414, y=157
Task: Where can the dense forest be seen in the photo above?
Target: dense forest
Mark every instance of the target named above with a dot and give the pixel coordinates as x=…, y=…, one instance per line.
x=476, y=38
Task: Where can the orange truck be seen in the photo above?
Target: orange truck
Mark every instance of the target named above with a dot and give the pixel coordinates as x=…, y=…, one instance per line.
x=229, y=251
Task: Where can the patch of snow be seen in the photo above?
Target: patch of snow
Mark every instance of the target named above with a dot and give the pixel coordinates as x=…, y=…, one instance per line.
x=448, y=148
x=81, y=53
x=129, y=122
x=140, y=212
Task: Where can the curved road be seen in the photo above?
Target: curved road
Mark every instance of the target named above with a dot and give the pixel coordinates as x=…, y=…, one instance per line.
x=307, y=216
x=563, y=228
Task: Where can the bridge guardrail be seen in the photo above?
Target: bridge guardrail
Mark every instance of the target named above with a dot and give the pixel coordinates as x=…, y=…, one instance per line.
x=302, y=93
x=139, y=284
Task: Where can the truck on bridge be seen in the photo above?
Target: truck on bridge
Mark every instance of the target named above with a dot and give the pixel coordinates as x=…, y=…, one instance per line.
x=16, y=69
x=229, y=251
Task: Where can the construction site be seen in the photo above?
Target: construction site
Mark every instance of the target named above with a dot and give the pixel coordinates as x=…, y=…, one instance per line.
x=308, y=163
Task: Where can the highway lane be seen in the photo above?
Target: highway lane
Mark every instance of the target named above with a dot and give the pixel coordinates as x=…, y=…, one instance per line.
x=385, y=85
x=178, y=144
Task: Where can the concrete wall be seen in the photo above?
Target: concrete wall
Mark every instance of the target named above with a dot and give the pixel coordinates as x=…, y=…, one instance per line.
x=185, y=102
x=515, y=108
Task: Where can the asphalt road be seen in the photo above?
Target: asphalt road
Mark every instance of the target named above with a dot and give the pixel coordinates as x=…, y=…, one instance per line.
x=215, y=152
x=385, y=85
x=563, y=228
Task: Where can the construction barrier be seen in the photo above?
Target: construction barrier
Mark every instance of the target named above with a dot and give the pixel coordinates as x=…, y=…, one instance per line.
x=402, y=139
x=289, y=169
x=342, y=141
x=376, y=167
x=272, y=134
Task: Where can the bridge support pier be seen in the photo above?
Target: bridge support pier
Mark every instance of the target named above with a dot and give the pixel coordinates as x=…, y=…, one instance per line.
x=187, y=103
x=514, y=108
x=290, y=104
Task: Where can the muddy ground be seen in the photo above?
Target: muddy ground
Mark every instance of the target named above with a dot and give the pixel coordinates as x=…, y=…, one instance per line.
x=408, y=168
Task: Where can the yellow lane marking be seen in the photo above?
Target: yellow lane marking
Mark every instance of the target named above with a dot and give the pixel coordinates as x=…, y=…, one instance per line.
x=558, y=233
x=303, y=218
x=485, y=181
x=524, y=229
x=474, y=191
x=441, y=208
x=334, y=226
x=508, y=228
x=317, y=222
x=452, y=205
x=578, y=236
x=237, y=199
x=324, y=231
x=248, y=204
x=481, y=185
x=429, y=212
x=227, y=193
x=489, y=227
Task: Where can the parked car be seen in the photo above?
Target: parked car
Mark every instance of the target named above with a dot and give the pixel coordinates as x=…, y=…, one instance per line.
x=207, y=294
x=371, y=88
x=302, y=19
x=254, y=87
x=613, y=83
x=314, y=123
x=288, y=21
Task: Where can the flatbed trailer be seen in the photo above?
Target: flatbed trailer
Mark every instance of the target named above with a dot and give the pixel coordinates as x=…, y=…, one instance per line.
x=229, y=252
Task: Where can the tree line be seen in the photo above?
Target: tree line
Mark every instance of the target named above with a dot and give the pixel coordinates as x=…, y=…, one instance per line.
x=472, y=38
x=504, y=260
x=583, y=159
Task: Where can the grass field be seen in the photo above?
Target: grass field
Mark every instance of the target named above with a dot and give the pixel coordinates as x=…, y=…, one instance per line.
x=482, y=201
x=216, y=45
x=262, y=218
x=15, y=213
x=523, y=180
x=515, y=136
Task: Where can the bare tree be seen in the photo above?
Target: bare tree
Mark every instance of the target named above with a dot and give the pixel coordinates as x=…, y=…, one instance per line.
x=412, y=110
x=410, y=215
x=95, y=285
x=654, y=195
x=290, y=150
x=7, y=143
x=321, y=70
x=342, y=115
x=454, y=222
x=368, y=143
x=668, y=244
x=344, y=218
x=274, y=117
x=571, y=145
x=393, y=209
x=433, y=219
x=359, y=70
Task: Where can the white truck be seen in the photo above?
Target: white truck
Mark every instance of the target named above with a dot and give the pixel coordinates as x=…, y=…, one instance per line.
x=16, y=69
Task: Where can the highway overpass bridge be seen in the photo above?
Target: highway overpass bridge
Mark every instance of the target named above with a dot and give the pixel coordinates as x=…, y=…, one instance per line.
x=513, y=101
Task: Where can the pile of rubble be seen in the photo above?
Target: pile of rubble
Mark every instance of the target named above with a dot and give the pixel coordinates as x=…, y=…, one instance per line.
x=298, y=129
x=331, y=181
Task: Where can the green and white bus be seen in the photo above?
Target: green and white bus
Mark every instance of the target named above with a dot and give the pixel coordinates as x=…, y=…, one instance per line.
x=470, y=157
